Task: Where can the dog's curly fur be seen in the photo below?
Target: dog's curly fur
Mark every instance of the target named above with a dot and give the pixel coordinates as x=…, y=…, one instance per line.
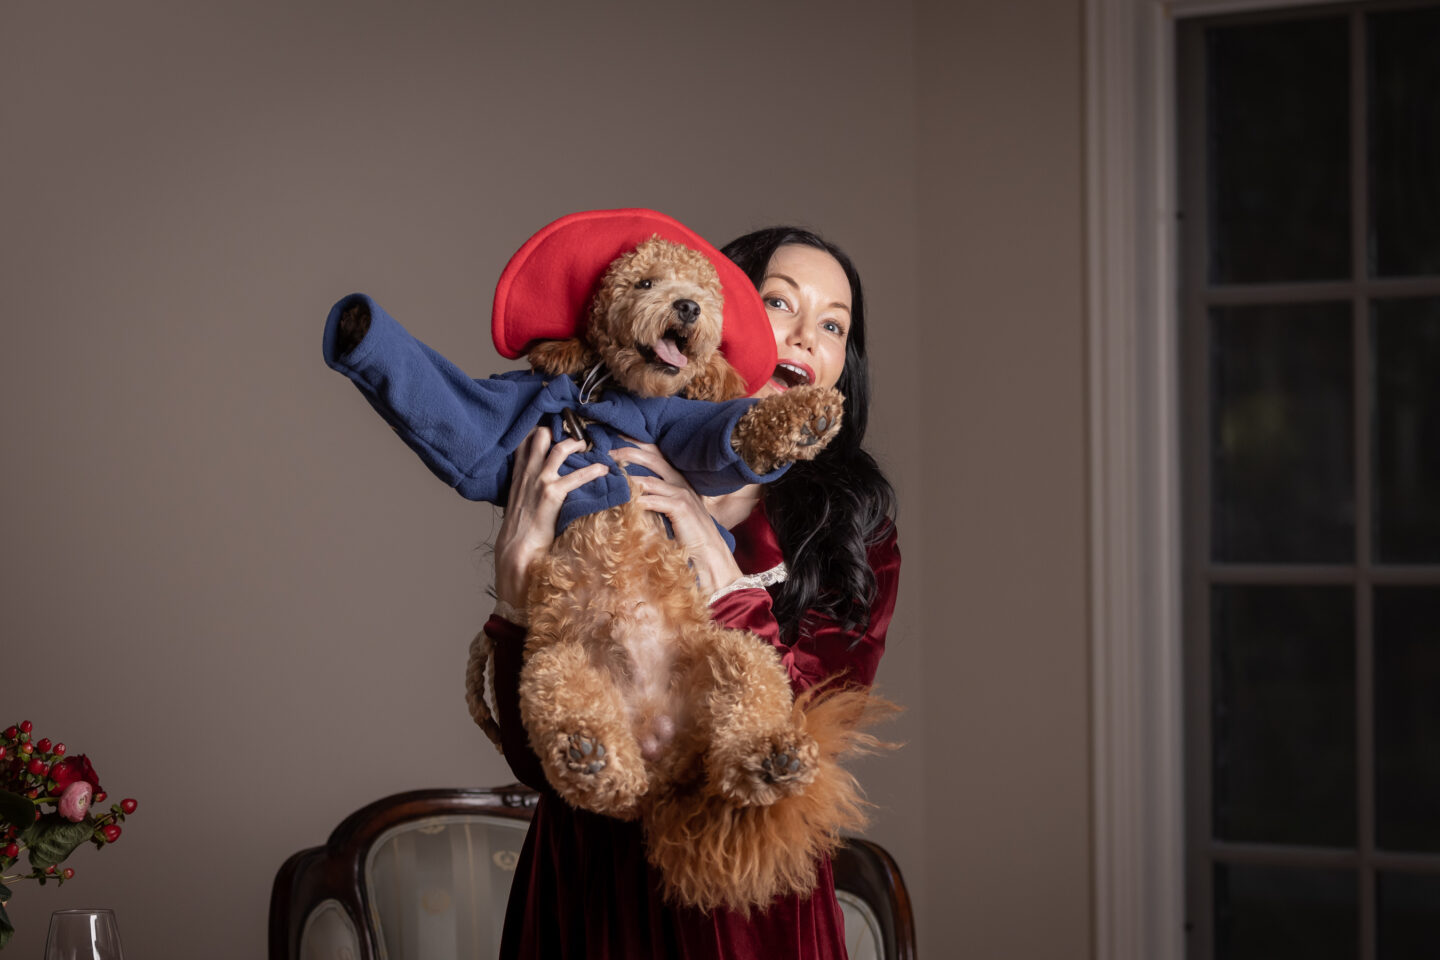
x=637, y=703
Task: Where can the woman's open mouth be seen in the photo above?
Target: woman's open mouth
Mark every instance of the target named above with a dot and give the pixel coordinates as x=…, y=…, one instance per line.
x=790, y=374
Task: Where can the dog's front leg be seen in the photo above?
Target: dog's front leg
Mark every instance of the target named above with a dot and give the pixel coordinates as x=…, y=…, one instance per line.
x=795, y=425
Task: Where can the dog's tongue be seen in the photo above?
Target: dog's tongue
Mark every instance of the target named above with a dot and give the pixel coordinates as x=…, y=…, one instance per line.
x=666, y=350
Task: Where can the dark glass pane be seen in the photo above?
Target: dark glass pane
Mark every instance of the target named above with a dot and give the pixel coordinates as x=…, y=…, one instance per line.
x=1283, y=720
x=1282, y=444
x=1268, y=913
x=1278, y=144
x=1405, y=142
x=1409, y=907
x=1407, y=719
x=1406, y=338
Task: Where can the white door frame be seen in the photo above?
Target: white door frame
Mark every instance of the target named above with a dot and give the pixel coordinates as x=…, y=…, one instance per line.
x=1137, y=732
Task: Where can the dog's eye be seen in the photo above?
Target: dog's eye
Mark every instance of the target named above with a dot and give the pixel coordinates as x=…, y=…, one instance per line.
x=643, y=285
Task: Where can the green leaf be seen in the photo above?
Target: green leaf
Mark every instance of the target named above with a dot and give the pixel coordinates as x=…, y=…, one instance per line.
x=4, y=893
x=16, y=810
x=57, y=838
x=6, y=927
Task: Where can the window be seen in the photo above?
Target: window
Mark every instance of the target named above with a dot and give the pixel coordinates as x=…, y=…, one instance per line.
x=1310, y=181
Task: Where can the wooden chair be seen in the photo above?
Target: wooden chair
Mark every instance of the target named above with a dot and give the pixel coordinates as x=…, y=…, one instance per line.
x=427, y=874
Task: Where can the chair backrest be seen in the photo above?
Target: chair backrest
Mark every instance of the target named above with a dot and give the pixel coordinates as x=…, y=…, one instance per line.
x=427, y=873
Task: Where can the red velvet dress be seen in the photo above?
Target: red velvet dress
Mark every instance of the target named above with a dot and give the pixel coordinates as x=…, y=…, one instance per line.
x=583, y=887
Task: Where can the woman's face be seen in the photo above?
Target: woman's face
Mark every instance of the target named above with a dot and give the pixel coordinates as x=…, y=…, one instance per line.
x=807, y=296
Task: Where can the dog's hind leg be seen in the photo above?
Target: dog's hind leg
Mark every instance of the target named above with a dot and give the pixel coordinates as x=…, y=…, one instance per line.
x=758, y=749
x=579, y=729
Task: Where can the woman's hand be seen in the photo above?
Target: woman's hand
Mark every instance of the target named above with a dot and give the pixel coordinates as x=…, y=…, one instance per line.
x=536, y=492
x=690, y=515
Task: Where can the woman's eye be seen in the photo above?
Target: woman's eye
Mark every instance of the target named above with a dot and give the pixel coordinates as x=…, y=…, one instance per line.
x=834, y=328
x=777, y=302
x=643, y=285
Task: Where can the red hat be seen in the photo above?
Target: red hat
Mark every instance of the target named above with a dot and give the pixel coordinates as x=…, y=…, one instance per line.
x=546, y=286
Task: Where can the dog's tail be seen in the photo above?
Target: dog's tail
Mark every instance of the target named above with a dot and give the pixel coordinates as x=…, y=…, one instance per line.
x=479, y=681
x=711, y=852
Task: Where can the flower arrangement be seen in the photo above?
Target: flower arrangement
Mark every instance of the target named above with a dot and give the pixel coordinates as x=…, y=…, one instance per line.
x=35, y=774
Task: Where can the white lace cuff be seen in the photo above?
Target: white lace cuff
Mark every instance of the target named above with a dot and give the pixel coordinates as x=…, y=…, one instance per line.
x=765, y=578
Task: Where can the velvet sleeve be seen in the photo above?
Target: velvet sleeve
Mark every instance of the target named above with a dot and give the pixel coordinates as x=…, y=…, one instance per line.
x=824, y=648
x=507, y=640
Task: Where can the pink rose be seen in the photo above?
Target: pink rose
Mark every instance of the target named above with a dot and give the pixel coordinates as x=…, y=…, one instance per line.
x=74, y=768
x=75, y=801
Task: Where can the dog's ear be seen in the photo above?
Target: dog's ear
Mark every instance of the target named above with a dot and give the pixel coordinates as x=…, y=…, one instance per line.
x=716, y=381
x=561, y=356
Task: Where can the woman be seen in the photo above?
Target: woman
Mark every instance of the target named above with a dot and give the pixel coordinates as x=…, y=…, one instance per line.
x=823, y=541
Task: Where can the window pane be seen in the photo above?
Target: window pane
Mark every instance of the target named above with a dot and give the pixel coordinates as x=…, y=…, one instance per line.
x=1265, y=913
x=1278, y=126
x=1282, y=445
x=1283, y=714
x=1407, y=718
x=1406, y=338
x=1405, y=142
x=1408, y=927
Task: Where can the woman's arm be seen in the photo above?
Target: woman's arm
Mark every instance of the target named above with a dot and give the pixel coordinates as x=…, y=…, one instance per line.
x=824, y=648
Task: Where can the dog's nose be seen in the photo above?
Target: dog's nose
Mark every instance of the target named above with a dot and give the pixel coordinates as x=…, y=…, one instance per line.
x=689, y=310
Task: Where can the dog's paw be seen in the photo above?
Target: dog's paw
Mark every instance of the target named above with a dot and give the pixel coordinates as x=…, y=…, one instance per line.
x=774, y=767
x=794, y=425
x=354, y=323
x=584, y=755
x=782, y=766
x=588, y=775
x=823, y=424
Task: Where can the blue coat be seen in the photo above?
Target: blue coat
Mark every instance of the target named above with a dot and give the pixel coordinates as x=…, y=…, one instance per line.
x=466, y=431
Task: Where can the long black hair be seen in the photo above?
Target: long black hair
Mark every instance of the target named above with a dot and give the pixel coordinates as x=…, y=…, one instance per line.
x=826, y=512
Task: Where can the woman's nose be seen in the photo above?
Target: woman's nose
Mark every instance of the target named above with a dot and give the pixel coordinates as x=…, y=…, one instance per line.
x=800, y=333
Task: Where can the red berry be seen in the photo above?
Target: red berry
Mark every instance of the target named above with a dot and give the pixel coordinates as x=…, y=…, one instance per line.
x=50, y=869
x=128, y=805
x=37, y=766
x=26, y=726
x=111, y=831
x=99, y=797
x=2, y=751
x=43, y=745
x=32, y=794
x=11, y=732
x=26, y=749
x=69, y=873
x=12, y=850
x=59, y=750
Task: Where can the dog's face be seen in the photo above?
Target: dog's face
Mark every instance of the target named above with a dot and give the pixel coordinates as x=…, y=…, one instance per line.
x=657, y=317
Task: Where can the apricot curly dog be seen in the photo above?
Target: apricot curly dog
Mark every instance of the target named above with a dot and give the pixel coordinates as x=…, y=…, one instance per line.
x=638, y=705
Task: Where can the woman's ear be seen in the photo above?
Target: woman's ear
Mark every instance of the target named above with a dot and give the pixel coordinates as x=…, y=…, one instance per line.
x=561, y=356
x=716, y=381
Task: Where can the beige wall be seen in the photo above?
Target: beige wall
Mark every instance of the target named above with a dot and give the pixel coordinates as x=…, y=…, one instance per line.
x=250, y=604
x=1004, y=576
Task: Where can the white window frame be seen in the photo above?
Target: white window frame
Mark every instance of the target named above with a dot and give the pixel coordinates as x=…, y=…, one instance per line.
x=1137, y=729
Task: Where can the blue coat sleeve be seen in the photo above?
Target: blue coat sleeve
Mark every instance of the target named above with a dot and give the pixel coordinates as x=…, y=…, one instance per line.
x=463, y=429
x=694, y=435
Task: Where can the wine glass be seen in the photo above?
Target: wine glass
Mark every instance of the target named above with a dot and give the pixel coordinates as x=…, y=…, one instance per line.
x=83, y=935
